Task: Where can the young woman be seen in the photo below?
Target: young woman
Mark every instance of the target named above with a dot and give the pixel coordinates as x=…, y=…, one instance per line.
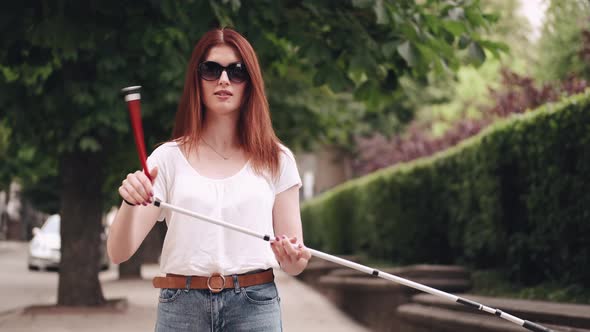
x=224, y=161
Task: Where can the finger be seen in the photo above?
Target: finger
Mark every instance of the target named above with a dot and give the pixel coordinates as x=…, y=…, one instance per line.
x=302, y=252
x=290, y=250
x=305, y=253
x=126, y=196
x=147, y=185
x=283, y=252
x=138, y=185
x=291, y=241
x=275, y=249
x=135, y=197
x=287, y=247
x=123, y=193
x=154, y=173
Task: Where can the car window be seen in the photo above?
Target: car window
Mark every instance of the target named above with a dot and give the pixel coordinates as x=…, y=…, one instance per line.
x=51, y=225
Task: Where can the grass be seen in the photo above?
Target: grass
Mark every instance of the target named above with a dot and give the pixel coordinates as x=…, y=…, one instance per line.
x=494, y=283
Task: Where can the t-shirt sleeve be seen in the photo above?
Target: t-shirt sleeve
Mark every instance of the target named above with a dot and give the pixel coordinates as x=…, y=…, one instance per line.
x=159, y=186
x=288, y=174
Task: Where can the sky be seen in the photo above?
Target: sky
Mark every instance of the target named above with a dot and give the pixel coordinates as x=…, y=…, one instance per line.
x=534, y=10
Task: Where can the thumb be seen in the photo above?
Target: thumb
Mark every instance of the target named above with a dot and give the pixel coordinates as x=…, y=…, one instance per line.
x=154, y=173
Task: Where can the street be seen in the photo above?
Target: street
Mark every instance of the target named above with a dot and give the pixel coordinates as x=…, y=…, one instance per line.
x=20, y=287
x=302, y=308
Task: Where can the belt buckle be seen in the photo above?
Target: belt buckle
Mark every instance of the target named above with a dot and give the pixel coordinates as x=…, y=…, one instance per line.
x=216, y=276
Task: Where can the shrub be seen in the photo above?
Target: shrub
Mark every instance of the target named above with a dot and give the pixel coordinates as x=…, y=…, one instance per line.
x=514, y=196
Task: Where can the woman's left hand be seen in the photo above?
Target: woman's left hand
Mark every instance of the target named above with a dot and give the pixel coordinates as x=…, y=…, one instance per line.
x=291, y=254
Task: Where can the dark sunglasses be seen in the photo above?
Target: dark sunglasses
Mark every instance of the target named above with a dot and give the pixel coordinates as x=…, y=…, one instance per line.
x=211, y=71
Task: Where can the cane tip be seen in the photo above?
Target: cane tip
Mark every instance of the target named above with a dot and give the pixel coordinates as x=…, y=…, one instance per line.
x=131, y=89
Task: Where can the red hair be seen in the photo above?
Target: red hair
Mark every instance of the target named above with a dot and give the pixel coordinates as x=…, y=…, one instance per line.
x=255, y=131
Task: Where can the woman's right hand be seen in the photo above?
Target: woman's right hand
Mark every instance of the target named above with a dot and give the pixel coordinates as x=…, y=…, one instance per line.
x=137, y=188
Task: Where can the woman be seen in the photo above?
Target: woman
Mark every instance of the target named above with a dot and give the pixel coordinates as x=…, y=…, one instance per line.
x=224, y=161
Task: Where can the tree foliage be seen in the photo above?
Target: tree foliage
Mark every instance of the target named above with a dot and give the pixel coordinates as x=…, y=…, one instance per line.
x=517, y=94
x=359, y=47
x=63, y=63
x=480, y=98
x=562, y=41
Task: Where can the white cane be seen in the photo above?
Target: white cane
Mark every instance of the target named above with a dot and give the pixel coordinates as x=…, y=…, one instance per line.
x=450, y=297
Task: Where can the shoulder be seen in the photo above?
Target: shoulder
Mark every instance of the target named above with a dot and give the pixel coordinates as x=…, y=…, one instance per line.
x=165, y=149
x=288, y=174
x=285, y=153
x=165, y=154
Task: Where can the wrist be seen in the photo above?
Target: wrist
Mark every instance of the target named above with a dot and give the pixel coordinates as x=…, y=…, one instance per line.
x=127, y=202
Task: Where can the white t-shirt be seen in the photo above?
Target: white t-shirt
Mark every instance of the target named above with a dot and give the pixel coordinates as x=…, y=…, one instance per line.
x=196, y=247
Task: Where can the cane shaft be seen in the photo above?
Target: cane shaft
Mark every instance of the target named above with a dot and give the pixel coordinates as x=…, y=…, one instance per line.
x=134, y=107
x=362, y=268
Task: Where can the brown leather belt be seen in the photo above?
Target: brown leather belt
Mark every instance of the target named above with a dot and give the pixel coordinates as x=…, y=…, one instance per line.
x=216, y=282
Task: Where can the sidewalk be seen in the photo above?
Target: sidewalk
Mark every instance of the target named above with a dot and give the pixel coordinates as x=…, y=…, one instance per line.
x=302, y=309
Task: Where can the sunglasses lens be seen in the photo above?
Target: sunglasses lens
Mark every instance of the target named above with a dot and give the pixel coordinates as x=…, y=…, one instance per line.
x=210, y=70
x=237, y=73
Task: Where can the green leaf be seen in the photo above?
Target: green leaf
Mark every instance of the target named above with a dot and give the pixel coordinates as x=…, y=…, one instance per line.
x=363, y=3
x=454, y=27
x=26, y=153
x=476, y=53
x=89, y=144
x=491, y=45
x=456, y=14
x=464, y=41
x=380, y=12
x=389, y=48
x=10, y=74
x=407, y=51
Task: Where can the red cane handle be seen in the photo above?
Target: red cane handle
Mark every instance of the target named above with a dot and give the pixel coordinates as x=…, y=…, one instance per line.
x=132, y=97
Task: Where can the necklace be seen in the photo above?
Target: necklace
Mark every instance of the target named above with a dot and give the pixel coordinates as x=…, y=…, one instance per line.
x=219, y=154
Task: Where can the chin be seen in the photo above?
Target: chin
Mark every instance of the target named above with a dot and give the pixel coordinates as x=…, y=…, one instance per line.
x=224, y=109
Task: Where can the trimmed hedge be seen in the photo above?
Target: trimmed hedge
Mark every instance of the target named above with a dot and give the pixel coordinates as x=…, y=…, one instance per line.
x=516, y=196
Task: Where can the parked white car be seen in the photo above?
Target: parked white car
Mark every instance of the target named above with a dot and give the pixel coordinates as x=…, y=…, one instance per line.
x=45, y=247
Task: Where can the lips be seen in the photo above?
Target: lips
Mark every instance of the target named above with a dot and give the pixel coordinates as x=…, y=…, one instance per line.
x=223, y=93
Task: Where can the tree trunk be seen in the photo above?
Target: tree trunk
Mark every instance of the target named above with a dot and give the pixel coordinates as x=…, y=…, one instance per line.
x=81, y=210
x=153, y=243
x=131, y=269
x=148, y=252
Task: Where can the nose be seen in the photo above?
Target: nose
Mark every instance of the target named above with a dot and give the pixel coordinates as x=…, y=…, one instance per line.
x=223, y=79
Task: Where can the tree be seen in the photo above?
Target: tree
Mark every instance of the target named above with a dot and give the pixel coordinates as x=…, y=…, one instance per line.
x=5, y=134
x=62, y=65
x=452, y=108
x=562, y=41
x=62, y=68
x=359, y=47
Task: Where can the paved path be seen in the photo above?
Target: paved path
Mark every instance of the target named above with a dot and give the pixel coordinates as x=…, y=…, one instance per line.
x=303, y=309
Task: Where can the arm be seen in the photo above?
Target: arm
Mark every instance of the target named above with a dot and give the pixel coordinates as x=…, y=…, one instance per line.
x=288, y=230
x=132, y=223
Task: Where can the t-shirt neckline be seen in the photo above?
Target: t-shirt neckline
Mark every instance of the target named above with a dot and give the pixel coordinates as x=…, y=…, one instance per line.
x=183, y=157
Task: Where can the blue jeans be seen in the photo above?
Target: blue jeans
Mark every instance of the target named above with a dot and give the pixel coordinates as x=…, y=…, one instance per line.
x=254, y=308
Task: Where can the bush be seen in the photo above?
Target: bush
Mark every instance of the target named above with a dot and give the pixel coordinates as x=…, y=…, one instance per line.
x=518, y=94
x=515, y=196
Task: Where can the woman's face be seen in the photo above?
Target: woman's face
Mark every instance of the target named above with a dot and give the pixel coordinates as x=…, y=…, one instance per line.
x=222, y=96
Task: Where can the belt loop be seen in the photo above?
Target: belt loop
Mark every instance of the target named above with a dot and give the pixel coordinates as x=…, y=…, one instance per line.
x=236, y=283
x=188, y=284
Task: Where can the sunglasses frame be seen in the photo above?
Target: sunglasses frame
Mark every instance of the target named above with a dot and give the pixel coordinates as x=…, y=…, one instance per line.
x=229, y=70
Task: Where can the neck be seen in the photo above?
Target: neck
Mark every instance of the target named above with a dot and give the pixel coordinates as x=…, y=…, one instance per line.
x=221, y=132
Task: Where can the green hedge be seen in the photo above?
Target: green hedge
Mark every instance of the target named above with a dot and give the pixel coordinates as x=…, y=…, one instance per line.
x=516, y=196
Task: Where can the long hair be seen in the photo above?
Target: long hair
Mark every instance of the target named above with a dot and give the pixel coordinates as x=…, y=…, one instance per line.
x=255, y=132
